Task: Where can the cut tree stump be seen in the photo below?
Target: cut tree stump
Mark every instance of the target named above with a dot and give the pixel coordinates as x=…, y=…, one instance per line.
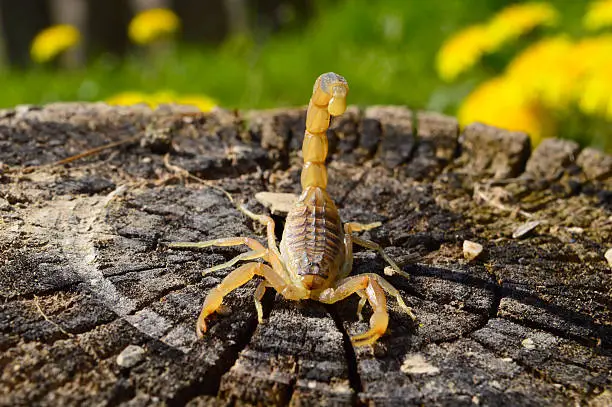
x=86, y=274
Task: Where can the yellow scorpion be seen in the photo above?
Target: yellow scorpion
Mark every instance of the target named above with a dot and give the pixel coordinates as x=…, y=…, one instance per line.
x=316, y=250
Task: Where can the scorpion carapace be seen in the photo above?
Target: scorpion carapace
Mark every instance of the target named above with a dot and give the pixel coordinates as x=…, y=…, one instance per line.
x=316, y=250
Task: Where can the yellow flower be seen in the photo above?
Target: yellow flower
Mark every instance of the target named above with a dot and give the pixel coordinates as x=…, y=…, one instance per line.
x=517, y=20
x=547, y=71
x=153, y=24
x=52, y=41
x=596, y=95
x=592, y=52
x=162, y=97
x=598, y=15
x=500, y=102
x=128, y=99
x=202, y=102
x=594, y=91
x=461, y=52
x=558, y=73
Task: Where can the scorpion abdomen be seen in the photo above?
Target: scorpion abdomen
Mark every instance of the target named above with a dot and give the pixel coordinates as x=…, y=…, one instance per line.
x=313, y=239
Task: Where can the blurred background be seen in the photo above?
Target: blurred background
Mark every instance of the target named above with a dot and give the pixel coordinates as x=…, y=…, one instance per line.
x=544, y=67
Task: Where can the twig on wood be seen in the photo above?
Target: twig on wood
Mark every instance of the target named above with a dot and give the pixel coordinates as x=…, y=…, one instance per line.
x=41, y=312
x=93, y=151
x=96, y=150
x=180, y=171
x=493, y=200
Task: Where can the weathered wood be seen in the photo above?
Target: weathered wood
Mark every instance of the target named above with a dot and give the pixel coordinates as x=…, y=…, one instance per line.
x=85, y=270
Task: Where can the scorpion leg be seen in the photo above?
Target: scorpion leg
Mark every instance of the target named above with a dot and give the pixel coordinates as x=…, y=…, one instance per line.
x=349, y=228
x=258, y=250
x=375, y=246
x=275, y=255
x=361, y=227
x=224, y=242
x=362, y=301
x=251, y=255
x=350, y=238
x=269, y=223
x=259, y=293
x=395, y=293
x=348, y=266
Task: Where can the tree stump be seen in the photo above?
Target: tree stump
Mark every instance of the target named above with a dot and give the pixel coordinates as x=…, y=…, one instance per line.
x=95, y=309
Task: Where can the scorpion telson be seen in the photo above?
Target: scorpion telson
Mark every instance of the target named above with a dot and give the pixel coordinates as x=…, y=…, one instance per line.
x=316, y=250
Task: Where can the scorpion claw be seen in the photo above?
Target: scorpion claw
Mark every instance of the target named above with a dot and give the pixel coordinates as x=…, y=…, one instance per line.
x=364, y=339
x=378, y=326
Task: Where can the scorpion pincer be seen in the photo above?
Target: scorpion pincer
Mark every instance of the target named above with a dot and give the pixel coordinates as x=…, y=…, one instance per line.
x=315, y=257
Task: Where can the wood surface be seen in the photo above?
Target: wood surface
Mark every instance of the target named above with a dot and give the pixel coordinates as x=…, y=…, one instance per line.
x=85, y=270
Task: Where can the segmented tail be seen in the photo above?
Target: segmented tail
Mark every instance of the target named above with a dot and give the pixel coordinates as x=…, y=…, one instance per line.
x=328, y=99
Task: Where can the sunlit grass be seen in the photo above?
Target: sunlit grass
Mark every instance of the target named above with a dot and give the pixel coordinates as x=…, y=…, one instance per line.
x=386, y=50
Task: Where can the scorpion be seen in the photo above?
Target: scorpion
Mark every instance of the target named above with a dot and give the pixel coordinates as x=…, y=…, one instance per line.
x=315, y=257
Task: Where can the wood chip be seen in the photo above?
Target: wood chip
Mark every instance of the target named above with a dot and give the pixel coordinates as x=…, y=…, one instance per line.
x=130, y=356
x=416, y=364
x=528, y=344
x=279, y=203
x=471, y=250
x=525, y=228
x=575, y=229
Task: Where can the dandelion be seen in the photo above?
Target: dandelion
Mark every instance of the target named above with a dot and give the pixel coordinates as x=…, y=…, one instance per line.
x=592, y=52
x=517, y=20
x=129, y=99
x=461, y=52
x=152, y=25
x=162, y=97
x=596, y=95
x=598, y=15
x=202, y=102
x=547, y=71
x=500, y=102
x=52, y=41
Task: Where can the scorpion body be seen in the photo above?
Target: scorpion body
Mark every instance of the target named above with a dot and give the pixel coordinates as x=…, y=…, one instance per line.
x=316, y=250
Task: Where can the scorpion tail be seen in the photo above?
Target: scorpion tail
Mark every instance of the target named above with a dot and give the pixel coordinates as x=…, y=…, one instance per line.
x=328, y=99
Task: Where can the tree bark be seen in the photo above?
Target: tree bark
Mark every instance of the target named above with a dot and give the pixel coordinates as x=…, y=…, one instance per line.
x=85, y=270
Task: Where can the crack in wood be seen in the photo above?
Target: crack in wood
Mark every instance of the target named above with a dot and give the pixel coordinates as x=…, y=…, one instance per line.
x=351, y=358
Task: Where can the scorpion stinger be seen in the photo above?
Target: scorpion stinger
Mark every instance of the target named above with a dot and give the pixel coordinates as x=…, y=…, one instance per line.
x=316, y=251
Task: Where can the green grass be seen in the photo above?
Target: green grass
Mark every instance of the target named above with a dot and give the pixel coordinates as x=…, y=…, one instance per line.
x=385, y=49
